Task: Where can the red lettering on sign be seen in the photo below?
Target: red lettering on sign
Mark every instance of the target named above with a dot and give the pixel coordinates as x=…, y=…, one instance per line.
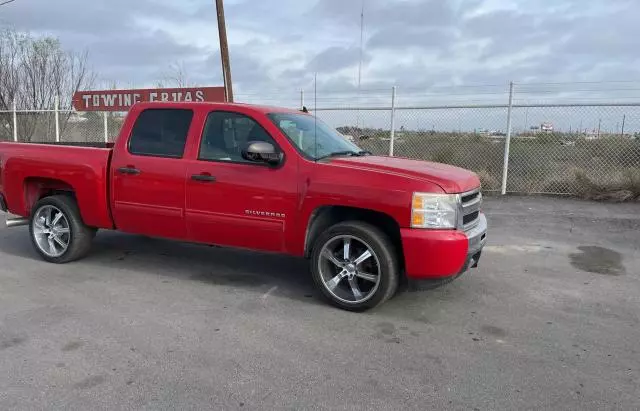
x=122, y=100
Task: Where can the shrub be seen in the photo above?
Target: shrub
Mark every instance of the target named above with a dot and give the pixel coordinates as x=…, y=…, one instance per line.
x=626, y=188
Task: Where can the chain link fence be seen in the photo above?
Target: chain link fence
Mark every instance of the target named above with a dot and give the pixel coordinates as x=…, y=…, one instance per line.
x=553, y=147
x=588, y=148
x=599, y=146
x=47, y=126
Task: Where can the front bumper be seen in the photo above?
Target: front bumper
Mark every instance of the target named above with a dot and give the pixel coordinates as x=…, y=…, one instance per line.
x=477, y=237
x=433, y=254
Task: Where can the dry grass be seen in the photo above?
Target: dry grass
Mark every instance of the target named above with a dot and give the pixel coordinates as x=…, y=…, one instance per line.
x=488, y=181
x=625, y=188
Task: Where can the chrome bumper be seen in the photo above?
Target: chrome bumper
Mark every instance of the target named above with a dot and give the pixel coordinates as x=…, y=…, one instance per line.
x=477, y=236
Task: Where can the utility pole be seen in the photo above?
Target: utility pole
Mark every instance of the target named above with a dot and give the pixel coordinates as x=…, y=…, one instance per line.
x=224, y=52
x=624, y=117
x=599, y=125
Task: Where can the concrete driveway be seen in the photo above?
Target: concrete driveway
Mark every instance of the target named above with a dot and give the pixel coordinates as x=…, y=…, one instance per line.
x=550, y=319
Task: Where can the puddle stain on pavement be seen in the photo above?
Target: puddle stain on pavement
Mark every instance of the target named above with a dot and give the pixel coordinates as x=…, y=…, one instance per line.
x=598, y=260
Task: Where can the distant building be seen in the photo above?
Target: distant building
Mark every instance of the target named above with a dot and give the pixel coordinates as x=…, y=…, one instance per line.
x=591, y=135
x=546, y=127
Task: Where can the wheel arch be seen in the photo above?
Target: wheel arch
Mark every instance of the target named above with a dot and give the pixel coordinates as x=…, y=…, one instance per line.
x=325, y=216
x=37, y=188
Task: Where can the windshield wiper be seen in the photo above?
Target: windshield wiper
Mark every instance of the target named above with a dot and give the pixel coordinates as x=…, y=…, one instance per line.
x=345, y=153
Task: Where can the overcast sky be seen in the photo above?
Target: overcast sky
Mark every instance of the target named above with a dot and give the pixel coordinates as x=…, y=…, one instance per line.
x=418, y=45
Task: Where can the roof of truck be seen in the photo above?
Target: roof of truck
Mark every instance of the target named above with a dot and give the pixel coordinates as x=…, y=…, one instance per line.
x=183, y=104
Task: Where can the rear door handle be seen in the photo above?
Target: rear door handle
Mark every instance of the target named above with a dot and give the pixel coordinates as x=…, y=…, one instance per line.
x=206, y=178
x=128, y=170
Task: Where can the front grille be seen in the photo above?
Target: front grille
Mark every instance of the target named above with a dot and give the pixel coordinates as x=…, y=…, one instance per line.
x=470, y=203
x=469, y=218
x=467, y=198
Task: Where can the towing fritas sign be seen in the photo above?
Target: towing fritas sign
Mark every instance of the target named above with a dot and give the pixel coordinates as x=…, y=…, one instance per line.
x=122, y=100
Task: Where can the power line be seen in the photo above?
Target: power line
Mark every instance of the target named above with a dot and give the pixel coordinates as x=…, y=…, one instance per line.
x=533, y=91
x=578, y=82
x=6, y=2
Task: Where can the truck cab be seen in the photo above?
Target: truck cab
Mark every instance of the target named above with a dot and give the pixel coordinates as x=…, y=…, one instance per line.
x=262, y=178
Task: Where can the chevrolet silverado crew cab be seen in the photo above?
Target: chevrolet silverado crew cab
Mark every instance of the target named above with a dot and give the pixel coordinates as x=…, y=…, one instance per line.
x=260, y=178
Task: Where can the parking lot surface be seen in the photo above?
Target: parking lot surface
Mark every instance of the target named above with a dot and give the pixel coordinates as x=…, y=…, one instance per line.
x=550, y=319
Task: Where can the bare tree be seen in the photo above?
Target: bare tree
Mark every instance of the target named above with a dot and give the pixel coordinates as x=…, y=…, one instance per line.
x=176, y=76
x=33, y=72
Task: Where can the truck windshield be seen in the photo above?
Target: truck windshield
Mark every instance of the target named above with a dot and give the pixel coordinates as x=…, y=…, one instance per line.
x=313, y=137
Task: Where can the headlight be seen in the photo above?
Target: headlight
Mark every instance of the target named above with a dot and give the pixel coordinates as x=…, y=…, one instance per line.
x=434, y=210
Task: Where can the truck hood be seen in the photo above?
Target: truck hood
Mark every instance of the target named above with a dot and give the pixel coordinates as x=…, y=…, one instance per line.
x=450, y=178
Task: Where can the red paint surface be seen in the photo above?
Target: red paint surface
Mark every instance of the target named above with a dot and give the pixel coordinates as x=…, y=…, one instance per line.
x=123, y=100
x=452, y=179
x=28, y=169
x=433, y=253
x=249, y=206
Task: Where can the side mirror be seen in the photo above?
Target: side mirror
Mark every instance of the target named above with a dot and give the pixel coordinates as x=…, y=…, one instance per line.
x=261, y=152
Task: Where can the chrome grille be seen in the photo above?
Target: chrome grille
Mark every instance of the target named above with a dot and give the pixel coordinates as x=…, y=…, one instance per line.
x=470, y=203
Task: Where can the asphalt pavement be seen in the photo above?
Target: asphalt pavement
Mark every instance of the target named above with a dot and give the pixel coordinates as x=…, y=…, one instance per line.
x=550, y=320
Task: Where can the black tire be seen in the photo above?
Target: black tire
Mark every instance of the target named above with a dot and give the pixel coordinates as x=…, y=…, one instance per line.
x=80, y=235
x=380, y=245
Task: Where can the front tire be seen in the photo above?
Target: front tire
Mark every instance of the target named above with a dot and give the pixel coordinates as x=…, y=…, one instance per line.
x=354, y=265
x=57, y=231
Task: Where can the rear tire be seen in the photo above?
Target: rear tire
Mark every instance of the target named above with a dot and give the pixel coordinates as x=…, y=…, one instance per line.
x=358, y=276
x=57, y=231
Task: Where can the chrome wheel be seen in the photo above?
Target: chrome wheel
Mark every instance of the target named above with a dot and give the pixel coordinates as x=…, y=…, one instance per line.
x=349, y=268
x=51, y=231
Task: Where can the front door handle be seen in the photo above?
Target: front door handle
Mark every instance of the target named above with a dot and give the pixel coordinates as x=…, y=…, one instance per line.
x=206, y=178
x=128, y=170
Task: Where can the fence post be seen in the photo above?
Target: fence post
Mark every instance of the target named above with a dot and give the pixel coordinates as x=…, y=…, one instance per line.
x=301, y=99
x=393, y=120
x=507, y=142
x=15, y=120
x=106, y=127
x=56, y=108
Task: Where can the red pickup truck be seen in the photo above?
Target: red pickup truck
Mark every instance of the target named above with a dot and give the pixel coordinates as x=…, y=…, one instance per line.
x=260, y=178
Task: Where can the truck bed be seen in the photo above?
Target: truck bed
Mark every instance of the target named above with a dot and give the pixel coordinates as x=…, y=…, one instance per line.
x=30, y=170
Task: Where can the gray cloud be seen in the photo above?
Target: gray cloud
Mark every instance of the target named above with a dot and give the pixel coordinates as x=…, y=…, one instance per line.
x=91, y=17
x=336, y=58
x=416, y=44
x=380, y=13
x=425, y=38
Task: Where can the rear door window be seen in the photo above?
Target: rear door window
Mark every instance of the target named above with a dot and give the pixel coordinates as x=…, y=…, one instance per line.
x=160, y=133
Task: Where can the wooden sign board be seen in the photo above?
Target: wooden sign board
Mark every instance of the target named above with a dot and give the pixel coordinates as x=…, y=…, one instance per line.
x=122, y=100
